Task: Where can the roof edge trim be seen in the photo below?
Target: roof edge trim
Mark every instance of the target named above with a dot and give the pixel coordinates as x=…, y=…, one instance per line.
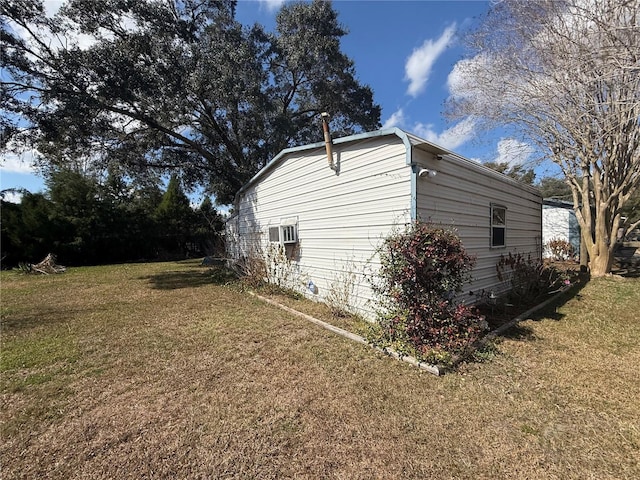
x=312, y=146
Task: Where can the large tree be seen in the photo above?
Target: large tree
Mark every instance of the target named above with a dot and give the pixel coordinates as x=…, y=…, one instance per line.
x=174, y=85
x=565, y=74
x=556, y=188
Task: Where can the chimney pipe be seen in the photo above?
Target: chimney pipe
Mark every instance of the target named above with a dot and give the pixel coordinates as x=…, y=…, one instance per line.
x=327, y=139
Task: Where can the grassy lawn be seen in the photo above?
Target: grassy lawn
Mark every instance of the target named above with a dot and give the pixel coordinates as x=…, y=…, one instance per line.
x=157, y=371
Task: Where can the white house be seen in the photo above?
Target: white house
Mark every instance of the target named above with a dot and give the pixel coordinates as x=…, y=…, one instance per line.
x=559, y=222
x=332, y=214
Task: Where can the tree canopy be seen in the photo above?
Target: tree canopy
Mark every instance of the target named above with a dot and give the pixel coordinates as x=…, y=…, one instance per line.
x=517, y=172
x=174, y=86
x=552, y=187
x=566, y=75
x=84, y=220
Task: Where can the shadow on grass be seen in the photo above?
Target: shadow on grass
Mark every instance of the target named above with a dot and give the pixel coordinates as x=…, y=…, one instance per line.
x=627, y=271
x=196, y=277
x=513, y=329
x=547, y=312
x=519, y=332
x=51, y=316
x=550, y=311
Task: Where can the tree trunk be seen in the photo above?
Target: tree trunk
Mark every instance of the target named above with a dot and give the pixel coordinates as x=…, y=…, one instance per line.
x=601, y=251
x=600, y=264
x=584, y=255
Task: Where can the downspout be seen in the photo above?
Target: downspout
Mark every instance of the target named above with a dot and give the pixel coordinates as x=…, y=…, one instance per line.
x=327, y=139
x=414, y=172
x=414, y=186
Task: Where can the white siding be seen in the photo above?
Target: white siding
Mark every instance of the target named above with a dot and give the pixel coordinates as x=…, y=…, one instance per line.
x=461, y=194
x=560, y=223
x=342, y=217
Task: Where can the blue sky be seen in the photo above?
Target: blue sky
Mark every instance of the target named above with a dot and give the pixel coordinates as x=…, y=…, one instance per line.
x=405, y=51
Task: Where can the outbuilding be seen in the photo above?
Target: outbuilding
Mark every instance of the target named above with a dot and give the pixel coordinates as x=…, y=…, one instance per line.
x=329, y=206
x=559, y=222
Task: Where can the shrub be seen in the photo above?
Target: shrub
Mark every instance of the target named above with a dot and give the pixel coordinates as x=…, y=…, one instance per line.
x=422, y=269
x=528, y=279
x=252, y=269
x=342, y=289
x=271, y=268
x=560, y=249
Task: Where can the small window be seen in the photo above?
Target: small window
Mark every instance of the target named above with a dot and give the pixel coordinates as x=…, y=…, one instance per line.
x=285, y=234
x=274, y=234
x=289, y=234
x=498, y=226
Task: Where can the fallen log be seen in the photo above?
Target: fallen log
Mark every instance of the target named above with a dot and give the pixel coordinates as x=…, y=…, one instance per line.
x=47, y=266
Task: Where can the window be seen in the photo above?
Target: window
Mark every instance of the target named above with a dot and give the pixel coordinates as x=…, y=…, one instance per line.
x=289, y=234
x=274, y=234
x=286, y=233
x=498, y=226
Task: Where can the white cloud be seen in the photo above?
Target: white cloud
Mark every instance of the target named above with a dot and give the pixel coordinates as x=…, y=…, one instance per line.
x=12, y=197
x=426, y=131
x=18, y=162
x=420, y=62
x=462, y=80
x=513, y=152
x=456, y=79
x=395, y=120
x=272, y=5
x=452, y=137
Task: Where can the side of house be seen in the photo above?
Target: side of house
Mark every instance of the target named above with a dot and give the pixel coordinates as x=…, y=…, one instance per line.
x=493, y=214
x=330, y=222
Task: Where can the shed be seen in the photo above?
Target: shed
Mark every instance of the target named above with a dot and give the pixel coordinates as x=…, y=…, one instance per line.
x=332, y=220
x=559, y=222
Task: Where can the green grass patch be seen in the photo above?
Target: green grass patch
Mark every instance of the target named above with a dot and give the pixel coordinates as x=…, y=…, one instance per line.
x=37, y=351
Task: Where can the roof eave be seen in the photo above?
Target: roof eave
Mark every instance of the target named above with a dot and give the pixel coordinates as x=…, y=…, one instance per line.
x=318, y=145
x=409, y=140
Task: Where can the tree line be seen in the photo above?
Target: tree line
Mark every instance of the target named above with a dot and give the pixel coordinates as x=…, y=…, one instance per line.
x=85, y=221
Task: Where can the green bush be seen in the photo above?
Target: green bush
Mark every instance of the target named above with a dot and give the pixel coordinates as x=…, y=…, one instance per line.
x=422, y=270
x=528, y=279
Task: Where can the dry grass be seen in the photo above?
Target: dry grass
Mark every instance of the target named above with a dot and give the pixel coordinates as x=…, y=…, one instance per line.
x=154, y=371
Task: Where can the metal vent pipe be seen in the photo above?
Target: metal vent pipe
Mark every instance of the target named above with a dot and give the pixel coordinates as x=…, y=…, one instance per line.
x=327, y=139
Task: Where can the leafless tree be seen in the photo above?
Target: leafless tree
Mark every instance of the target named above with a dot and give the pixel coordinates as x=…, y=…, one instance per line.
x=566, y=75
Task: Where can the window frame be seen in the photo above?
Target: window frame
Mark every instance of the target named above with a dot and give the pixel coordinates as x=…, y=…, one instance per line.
x=493, y=227
x=274, y=234
x=284, y=233
x=288, y=234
